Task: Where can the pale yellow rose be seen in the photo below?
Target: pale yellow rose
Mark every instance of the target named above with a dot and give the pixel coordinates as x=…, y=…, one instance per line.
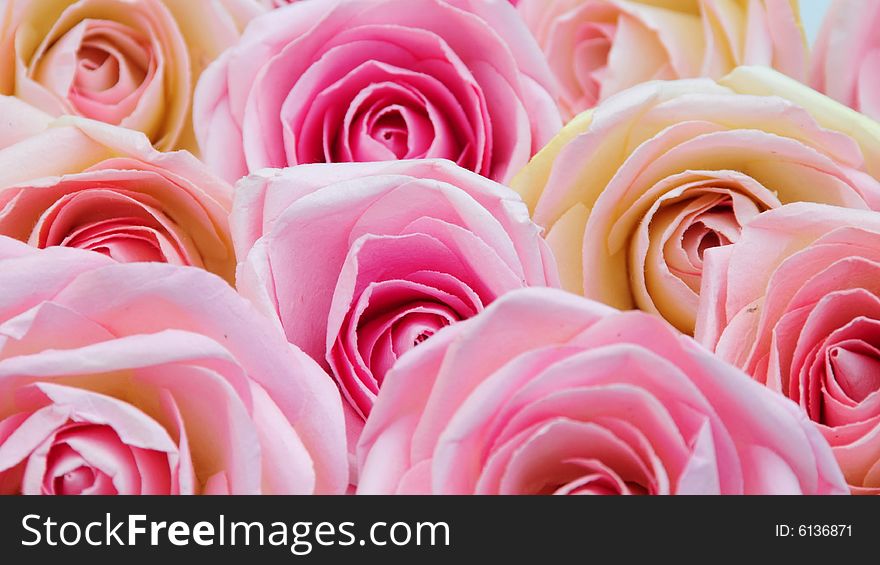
x=132, y=63
x=633, y=192
x=597, y=48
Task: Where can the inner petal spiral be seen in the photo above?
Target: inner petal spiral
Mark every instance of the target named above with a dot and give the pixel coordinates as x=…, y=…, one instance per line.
x=686, y=218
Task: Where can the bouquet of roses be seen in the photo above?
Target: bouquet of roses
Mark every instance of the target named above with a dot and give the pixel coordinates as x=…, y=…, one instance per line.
x=439, y=246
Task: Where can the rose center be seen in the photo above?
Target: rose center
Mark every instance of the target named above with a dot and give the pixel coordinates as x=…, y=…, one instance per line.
x=422, y=337
x=100, y=68
x=700, y=237
x=73, y=464
x=114, y=223
x=113, y=65
x=711, y=239
x=701, y=226
x=75, y=482
x=586, y=477
x=591, y=58
x=692, y=212
x=91, y=58
x=391, y=130
x=856, y=371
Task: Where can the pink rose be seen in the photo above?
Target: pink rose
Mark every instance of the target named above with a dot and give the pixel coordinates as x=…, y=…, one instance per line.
x=633, y=192
x=846, y=57
x=379, y=80
x=153, y=379
x=89, y=185
x=796, y=303
x=546, y=392
x=597, y=48
x=362, y=262
x=132, y=63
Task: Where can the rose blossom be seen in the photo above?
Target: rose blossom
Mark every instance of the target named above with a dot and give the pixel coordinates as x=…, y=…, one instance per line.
x=132, y=63
x=546, y=392
x=153, y=379
x=634, y=192
x=796, y=303
x=846, y=57
x=85, y=184
x=366, y=80
x=597, y=48
x=362, y=262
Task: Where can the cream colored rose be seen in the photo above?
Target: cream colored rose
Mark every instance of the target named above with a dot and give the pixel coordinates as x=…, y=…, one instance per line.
x=633, y=192
x=132, y=63
x=597, y=48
